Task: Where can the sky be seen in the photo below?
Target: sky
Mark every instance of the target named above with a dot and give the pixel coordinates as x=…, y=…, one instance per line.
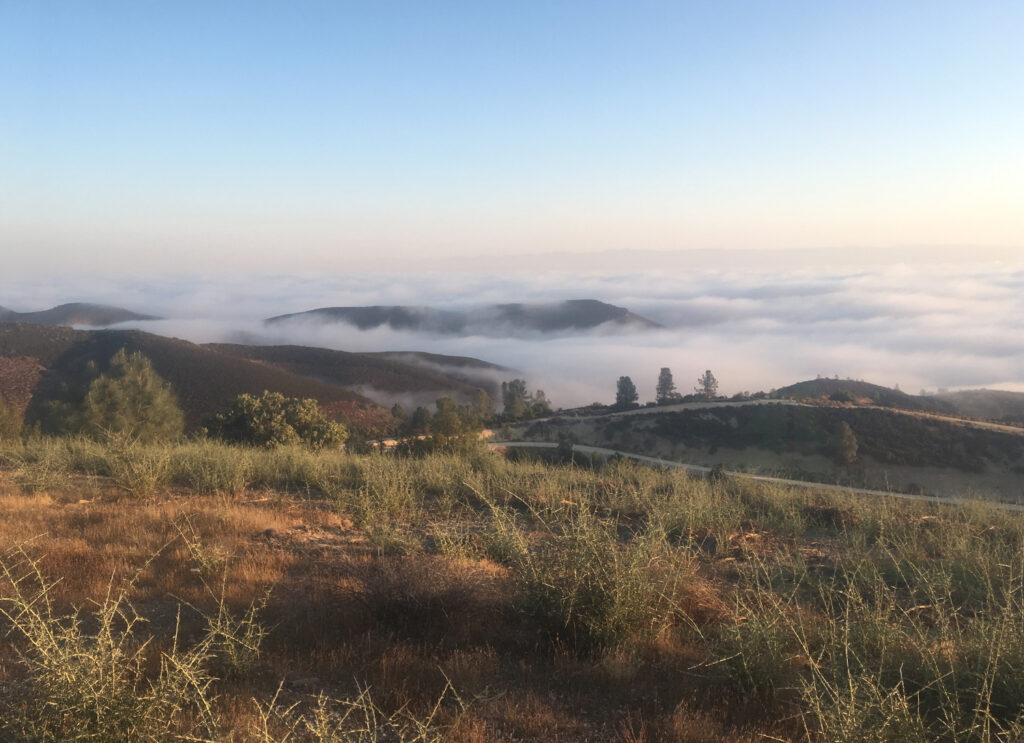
x=147, y=138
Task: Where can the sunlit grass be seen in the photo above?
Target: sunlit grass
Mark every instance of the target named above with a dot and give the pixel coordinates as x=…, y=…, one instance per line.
x=500, y=583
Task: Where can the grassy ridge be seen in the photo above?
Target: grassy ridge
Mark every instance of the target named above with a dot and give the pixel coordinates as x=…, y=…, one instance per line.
x=608, y=603
x=851, y=390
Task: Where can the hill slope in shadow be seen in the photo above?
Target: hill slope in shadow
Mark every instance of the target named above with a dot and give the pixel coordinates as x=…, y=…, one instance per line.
x=202, y=378
x=383, y=376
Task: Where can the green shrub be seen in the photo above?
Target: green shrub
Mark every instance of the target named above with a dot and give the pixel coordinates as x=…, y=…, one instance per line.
x=271, y=419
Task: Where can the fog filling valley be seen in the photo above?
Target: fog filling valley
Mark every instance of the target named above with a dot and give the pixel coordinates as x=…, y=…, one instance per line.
x=950, y=326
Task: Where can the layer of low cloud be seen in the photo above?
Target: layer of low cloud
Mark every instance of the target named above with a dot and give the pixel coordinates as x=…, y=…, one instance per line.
x=948, y=326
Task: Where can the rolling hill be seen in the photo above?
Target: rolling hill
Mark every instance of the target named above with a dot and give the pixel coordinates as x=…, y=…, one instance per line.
x=41, y=363
x=848, y=390
x=466, y=369
x=491, y=320
x=995, y=405
x=381, y=376
x=75, y=313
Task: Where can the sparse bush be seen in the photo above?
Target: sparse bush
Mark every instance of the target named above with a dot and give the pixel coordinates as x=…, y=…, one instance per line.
x=92, y=679
x=42, y=464
x=357, y=720
x=88, y=680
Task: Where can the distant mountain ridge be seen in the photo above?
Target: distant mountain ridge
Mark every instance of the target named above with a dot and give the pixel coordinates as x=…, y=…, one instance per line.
x=491, y=320
x=75, y=313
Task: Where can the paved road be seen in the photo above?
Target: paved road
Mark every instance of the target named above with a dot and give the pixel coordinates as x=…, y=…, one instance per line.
x=696, y=468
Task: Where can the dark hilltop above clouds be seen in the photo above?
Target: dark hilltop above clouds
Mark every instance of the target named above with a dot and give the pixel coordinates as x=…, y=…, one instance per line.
x=496, y=319
x=75, y=313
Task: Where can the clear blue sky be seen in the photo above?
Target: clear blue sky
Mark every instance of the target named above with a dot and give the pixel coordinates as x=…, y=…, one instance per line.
x=301, y=135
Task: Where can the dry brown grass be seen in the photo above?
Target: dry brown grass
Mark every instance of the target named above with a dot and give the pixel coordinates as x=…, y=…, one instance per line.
x=559, y=603
x=343, y=616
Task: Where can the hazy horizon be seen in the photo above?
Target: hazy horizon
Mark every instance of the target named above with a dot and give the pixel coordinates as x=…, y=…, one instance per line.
x=953, y=326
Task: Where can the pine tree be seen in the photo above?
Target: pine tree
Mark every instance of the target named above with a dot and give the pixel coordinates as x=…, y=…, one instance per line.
x=483, y=406
x=448, y=418
x=539, y=404
x=131, y=399
x=420, y=422
x=707, y=386
x=515, y=399
x=665, y=392
x=846, y=444
x=625, y=393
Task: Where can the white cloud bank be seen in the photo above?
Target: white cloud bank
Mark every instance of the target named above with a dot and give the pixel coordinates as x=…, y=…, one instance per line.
x=945, y=326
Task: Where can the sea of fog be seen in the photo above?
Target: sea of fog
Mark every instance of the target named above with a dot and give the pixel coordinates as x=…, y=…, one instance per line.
x=919, y=327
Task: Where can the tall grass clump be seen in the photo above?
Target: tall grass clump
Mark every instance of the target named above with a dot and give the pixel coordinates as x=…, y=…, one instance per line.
x=907, y=639
x=41, y=464
x=380, y=492
x=137, y=468
x=595, y=592
x=205, y=466
x=885, y=670
x=293, y=468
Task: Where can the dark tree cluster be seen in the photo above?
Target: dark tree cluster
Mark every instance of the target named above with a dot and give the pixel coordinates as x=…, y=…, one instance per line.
x=665, y=393
x=519, y=404
x=447, y=419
